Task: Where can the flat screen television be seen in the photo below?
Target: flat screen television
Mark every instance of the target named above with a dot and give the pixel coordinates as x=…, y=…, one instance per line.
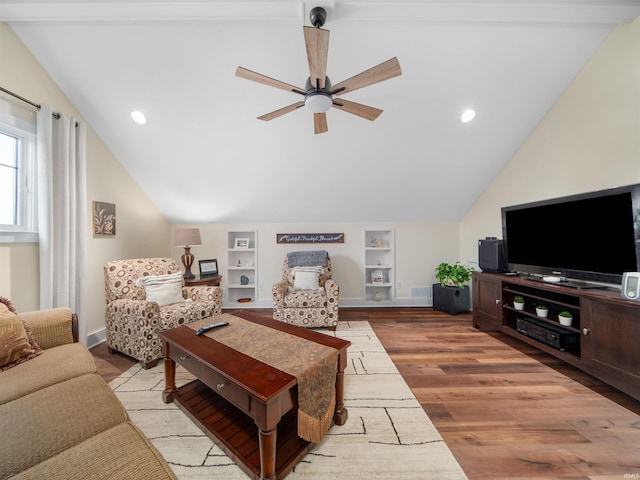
x=592, y=237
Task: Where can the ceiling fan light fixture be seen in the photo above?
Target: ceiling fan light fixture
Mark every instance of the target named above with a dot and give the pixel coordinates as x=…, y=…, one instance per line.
x=318, y=102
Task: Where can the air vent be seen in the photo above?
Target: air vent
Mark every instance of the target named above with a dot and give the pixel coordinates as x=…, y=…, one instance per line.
x=421, y=292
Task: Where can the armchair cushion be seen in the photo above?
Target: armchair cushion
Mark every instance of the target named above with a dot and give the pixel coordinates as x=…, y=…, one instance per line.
x=307, y=278
x=163, y=289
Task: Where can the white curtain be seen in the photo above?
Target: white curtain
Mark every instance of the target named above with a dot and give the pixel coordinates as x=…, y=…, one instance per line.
x=61, y=158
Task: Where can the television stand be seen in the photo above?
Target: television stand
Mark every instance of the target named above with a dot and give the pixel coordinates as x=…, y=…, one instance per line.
x=605, y=326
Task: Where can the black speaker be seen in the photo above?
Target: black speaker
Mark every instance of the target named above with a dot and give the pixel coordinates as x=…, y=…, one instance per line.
x=491, y=255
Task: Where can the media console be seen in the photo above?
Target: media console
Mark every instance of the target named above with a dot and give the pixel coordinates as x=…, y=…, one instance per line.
x=602, y=339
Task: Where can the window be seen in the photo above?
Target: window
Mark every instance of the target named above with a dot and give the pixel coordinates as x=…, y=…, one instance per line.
x=17, y=180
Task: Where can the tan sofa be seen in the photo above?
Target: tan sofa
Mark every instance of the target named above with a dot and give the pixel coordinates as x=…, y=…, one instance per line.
x=59, y=418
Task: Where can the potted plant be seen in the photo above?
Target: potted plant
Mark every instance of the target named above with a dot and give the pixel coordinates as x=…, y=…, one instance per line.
x=453, y=275
x=542, y=310
x=451, y=295
x=565, y=318
x=518, y=302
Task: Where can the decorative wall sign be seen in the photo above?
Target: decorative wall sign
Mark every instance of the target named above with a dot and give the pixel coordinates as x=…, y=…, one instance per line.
x=310, y=237
x=104, y=219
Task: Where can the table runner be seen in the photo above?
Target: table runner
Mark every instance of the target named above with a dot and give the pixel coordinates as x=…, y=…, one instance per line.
x=314, y=366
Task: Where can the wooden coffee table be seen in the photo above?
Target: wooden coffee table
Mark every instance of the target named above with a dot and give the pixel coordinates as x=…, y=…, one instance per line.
x=246, y=407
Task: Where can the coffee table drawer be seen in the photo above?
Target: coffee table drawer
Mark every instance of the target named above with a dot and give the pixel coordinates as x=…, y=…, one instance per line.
x=187, y=361
x=226, y=389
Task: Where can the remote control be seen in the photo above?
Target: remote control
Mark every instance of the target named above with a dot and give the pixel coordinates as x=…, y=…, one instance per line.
x=211, y=327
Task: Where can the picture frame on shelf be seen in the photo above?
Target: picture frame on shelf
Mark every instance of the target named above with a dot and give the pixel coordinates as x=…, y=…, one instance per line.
x=208, y=268
x=377, y=276
x=241, y=243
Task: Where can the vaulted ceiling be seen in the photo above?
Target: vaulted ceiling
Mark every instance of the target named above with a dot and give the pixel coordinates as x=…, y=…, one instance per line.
x=203, y=156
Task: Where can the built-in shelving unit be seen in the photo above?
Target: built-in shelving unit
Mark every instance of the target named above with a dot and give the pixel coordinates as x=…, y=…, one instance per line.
x=242, y=267
x=379, y=265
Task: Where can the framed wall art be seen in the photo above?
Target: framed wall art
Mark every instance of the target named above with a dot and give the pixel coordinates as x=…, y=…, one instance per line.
x=104, y=219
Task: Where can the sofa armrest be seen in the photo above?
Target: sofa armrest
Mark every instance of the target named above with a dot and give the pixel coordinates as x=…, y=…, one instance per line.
x=52, y=327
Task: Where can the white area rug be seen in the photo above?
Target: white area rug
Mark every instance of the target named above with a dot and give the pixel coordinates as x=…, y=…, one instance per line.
x=387, y=435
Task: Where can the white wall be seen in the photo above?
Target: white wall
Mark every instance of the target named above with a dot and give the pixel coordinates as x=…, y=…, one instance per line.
x=419, y=248
x=589, y=140
x=141, y=229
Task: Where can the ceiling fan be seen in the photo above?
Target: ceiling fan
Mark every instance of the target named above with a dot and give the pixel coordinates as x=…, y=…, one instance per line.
x=319, y=92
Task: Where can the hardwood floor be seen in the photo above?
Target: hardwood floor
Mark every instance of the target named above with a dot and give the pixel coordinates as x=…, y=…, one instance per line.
x=505, y=409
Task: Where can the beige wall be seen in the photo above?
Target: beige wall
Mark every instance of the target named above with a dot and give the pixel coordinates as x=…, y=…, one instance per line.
x=419, y=248
x=589, y=140
x=141, y=229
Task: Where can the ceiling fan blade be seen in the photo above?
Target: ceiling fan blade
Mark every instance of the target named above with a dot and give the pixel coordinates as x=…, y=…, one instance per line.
x=320, y=123
x=317, y=43
x=379, y=73
x=364, y=111
x=258, y=77
x=277, y=113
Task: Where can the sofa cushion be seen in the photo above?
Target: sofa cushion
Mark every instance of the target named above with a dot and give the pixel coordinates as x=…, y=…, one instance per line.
x=17, y=344
x=44, y=423
x=122, y=453
x=55, y=365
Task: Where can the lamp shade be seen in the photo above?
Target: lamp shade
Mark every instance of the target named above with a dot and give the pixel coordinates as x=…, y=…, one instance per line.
x=186, y=237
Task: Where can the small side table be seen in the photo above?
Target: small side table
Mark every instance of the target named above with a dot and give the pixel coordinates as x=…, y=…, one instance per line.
x=207, y=281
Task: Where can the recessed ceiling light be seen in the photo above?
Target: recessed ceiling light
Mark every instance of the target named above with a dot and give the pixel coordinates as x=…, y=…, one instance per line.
x=468, y=115
x=138, y=117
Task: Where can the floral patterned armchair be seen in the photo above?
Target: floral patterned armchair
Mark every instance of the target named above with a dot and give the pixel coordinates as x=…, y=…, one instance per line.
x=133, y=323
x=307, y=295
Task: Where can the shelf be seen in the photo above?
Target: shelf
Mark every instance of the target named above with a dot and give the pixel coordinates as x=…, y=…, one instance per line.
x=546, y=297
x=248, y=258
x=544, y=319
x=566, y=356
x=380, y=258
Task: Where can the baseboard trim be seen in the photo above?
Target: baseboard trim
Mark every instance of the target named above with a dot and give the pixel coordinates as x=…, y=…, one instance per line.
x=96, y=338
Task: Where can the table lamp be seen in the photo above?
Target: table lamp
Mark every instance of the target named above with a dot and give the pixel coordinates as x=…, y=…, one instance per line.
x=187, y=238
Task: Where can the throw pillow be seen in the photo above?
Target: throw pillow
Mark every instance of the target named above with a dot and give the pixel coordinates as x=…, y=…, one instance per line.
x=16, y=345
x=307, y=278
x=164, y=289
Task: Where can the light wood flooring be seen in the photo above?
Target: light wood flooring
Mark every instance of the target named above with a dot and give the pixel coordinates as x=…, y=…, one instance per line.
x=505, y=409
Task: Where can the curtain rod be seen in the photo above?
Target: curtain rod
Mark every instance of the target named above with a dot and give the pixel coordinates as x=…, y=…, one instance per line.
x=25, y=100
